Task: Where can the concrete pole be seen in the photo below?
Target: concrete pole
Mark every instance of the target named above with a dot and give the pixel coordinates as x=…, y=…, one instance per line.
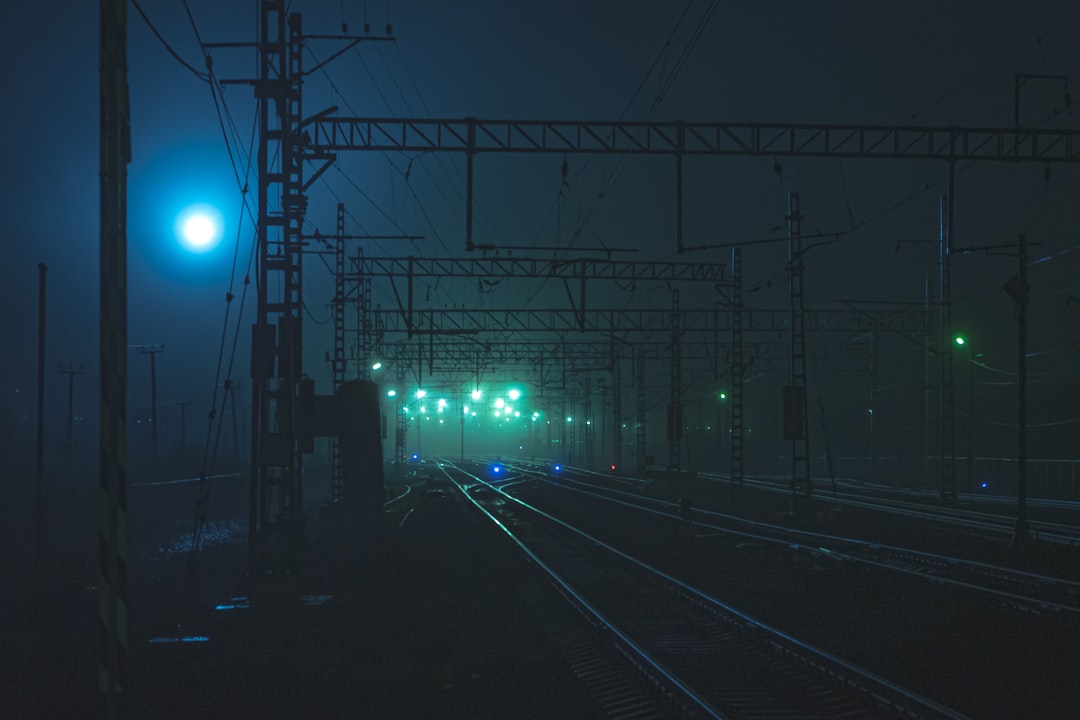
x=39, y=465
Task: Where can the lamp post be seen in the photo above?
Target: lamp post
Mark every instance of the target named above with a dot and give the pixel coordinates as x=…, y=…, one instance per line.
x=961, y=341
x=71, y=372
x=722, y=427
x=420, y=395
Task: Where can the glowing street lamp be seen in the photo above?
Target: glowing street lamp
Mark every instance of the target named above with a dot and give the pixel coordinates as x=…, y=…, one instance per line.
x=376, y=366
x=514, y=394
x=391, y=393
x=421, y=394
x=199, y=228
x=476, y=395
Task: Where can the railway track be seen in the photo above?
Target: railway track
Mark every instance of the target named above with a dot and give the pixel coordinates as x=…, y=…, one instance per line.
x=694, y=655
x=1024, y=590
x=925, y=505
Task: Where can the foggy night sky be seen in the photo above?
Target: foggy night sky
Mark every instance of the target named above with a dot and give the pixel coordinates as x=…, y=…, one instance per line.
x=920, y=62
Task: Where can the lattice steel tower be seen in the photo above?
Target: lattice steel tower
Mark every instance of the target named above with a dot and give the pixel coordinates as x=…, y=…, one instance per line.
x=795, y=406
x=276, y=511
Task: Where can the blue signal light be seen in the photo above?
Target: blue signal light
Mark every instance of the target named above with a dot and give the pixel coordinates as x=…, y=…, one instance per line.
x=984, y=485
x=558, y=468
x=415, y=456
x=496, y=469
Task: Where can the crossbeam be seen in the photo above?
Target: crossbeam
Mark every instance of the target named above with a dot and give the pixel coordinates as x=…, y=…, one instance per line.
x=465, y=355
x=619, y=320
x=507, y=267
x=472, y=135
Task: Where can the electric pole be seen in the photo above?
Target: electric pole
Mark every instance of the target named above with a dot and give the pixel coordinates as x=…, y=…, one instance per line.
x=183, y=425
x=39, y=483
x=1018, y=289
x=112, y=511
x=152, y=351
x=71, y=372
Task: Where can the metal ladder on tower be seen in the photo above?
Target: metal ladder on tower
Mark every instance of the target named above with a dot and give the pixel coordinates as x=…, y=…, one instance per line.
x=737, y=371
x=796, y=423
x=338, y=363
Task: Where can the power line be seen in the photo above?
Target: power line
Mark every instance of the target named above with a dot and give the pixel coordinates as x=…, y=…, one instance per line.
x=994, y=66
x=486, y=225
x=204, y=77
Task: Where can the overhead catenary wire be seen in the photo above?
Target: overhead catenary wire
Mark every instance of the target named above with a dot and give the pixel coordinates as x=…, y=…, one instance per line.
x=404, y=173
x=993, y=67
x=212, y=442
x=204, y=77
x=653, y=107
x=484, y=223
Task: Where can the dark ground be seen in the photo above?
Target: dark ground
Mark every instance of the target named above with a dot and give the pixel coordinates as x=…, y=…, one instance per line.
x=439, y=628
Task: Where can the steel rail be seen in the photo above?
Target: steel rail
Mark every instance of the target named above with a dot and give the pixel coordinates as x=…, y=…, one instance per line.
x=882, y=688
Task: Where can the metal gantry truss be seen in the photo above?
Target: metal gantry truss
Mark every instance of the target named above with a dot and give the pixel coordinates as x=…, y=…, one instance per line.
x=472, y=137
x=455, y=354
x=711, y=320
x=478, y=351
x=479, y=136
x=288, y=141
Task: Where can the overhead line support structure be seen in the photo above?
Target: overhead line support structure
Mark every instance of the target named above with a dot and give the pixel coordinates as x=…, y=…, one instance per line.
x=338, y=362
x=948, y=415
x=276, y=502
x=735, y=431
x=473, y=136
x=675, y=408
x=451, y=354
x=281, y=396
x=584, y=270
x=796, y=424
x=475, y=322
x=276, y=472
x=616, y=406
